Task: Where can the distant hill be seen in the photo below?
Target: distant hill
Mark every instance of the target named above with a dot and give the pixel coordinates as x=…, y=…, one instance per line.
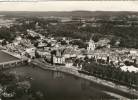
x=68, y=14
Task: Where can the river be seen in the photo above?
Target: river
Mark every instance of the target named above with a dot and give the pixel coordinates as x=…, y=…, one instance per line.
x=63, y=86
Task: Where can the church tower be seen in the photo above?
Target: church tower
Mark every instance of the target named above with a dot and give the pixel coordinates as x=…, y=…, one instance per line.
x=91, y=45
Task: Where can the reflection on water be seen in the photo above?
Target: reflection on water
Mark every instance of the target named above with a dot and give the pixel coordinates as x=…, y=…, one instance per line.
x=61, y=86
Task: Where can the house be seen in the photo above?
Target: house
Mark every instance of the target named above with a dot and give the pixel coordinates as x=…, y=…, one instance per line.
x=44, y=53
x=129, y=68
x=69, y=52
x=136, y=60
x=31, y=52
x=69, y=63
x=42, y=45
x=17, y=40
x=32, y=33
x=57, y=57
x=104, y=42
x=1, y=41
x=133, y=52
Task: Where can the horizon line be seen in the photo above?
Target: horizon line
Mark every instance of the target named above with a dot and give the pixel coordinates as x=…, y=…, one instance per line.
x=70, y=11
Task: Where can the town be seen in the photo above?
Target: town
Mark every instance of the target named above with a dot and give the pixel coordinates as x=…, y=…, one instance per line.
x=95, y=55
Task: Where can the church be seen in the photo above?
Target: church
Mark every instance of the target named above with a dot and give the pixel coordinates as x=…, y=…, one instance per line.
x=91, y=45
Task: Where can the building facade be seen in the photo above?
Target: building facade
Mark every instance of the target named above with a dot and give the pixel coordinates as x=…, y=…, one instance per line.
x=91, y=45
x=58, y=58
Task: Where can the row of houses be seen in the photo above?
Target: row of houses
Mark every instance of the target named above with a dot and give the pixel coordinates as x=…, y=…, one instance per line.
x=106, y=54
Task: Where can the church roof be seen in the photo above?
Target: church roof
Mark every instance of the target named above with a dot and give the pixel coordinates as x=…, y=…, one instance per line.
x=71, y=51
x=91, y=40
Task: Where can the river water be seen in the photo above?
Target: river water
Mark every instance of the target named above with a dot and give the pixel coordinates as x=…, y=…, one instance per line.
x=62, y=86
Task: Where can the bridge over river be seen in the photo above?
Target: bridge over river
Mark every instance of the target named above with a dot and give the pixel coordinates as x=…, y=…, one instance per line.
x=8, y=60
x=10, y=64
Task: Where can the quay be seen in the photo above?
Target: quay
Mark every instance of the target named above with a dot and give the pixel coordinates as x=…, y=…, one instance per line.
x=75, y=72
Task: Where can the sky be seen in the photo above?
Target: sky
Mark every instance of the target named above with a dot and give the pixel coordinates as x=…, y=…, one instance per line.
x=70, y=6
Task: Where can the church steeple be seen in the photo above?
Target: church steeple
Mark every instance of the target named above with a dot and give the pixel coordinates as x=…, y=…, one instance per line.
x=91, y=45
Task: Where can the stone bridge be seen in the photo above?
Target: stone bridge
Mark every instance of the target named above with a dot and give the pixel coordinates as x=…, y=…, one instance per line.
x=13, y=63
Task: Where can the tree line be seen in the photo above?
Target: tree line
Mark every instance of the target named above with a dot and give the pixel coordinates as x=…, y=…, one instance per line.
x=111, y=73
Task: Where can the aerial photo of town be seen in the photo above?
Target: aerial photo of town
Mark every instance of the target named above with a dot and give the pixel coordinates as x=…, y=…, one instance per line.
x=76, y=55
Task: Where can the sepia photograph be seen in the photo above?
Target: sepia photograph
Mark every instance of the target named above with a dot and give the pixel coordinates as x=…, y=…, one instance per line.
x=69, y=50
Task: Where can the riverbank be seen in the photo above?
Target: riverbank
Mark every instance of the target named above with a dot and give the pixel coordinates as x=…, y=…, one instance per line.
x=75, y=72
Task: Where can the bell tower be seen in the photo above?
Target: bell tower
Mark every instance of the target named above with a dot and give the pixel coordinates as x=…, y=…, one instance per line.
x=91, y=45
